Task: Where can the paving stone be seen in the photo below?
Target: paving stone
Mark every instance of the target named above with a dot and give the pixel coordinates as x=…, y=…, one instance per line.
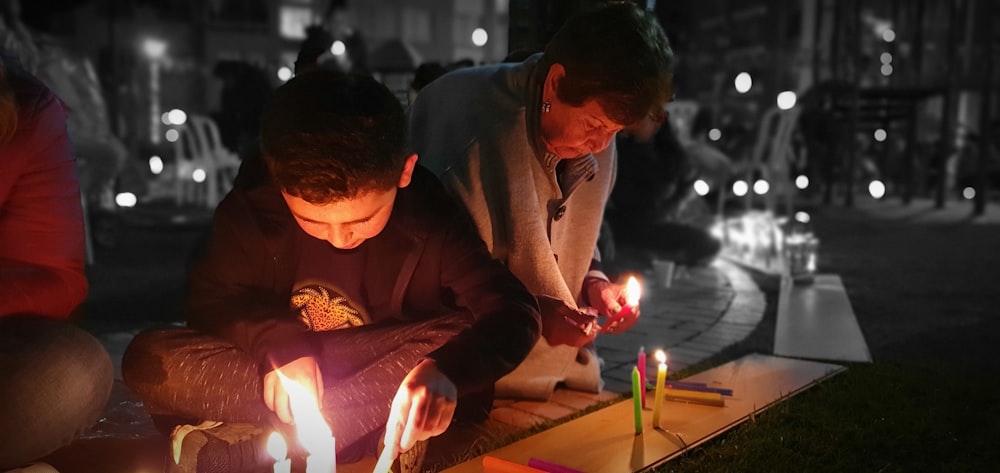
x=548, y=410
x=516, y=417
x=576, y=400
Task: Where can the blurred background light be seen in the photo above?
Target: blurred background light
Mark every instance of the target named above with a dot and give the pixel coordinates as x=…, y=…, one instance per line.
x=714, y=134
x=760, y=187
x=786, y=100
x=743, y=82
x=126, y=199
x=154, y=48
x=155, y=164
x=198, y=175
x=284, y=73
x=880, y=135
x=802, y=217
x=888, y=35
x=177, y=117
x=969, y=193
x=172, y=135
x=479, y=37
x=802, y=181
x=701, y=187
x=886, y=58
x=740, y=188
x=338, y=48
x=886, y=69
x=877, y=189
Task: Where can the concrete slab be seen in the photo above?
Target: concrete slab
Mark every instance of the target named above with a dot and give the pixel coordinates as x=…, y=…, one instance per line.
x=816, y=321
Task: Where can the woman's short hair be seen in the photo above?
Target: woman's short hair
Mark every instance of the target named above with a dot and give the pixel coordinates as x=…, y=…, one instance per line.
x=328, y=135
x=617, y=54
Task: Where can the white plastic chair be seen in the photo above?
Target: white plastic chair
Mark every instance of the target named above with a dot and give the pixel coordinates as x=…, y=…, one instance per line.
x=771, y=156
x=199, y=148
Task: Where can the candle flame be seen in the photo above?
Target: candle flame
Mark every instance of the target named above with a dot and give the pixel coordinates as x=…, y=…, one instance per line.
x=276, y=446
x=311, y=427
x=633, y=291
x=661, y=356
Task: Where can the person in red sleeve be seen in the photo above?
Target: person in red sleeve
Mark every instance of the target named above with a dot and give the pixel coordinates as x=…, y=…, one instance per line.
x=56, y=378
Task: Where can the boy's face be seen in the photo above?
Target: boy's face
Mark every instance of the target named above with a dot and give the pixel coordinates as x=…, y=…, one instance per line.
x=347, y=223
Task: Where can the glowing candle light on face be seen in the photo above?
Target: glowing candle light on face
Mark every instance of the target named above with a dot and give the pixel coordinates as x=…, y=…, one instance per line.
x=311, y=427
x=277, y=448
x=661, y=378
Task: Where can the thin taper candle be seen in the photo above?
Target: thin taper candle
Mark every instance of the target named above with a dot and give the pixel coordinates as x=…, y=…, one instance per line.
x=661, y=378
x=642, y=374
x=636, y=400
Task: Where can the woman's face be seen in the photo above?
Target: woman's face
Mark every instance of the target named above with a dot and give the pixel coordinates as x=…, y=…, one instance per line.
x=570, y=131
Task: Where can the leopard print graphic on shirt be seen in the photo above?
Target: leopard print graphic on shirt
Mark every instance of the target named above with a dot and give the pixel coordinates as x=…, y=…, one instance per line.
x=320, y=311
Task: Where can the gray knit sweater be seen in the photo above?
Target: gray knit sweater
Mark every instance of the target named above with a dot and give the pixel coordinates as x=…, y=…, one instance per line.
x=476, y=128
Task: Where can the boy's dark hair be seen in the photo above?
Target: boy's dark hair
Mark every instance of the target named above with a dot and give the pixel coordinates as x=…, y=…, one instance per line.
x=617, y=54
x=328, y=135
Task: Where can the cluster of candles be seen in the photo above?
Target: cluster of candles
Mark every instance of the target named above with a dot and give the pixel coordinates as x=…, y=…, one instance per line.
x=639, y=388
x=312, y=430
x=686, y=391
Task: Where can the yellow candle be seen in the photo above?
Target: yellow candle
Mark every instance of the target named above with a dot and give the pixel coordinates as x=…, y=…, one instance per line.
x=661, y=378
x=279, y=450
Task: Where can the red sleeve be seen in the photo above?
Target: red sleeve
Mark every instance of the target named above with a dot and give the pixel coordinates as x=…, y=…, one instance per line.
x=41, y=217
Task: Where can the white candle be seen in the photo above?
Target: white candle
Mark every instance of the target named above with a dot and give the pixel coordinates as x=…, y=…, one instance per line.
x=661, y=377
x=279, y=450
x=313, y=431
x=324, y=458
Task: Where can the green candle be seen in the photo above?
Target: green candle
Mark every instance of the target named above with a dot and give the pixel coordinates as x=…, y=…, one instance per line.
x=637, y=400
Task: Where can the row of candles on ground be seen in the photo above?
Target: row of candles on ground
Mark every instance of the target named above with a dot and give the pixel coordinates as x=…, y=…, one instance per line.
x=674, y=390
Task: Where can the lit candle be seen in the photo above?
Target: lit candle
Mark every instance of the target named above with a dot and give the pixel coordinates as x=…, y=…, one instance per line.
x=642, y=374
x=279, y=450
x=661, y=378
x=632, y=293
x=312, y=429
x=636, y=401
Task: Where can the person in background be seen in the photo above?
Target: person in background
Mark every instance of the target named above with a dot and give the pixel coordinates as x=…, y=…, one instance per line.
x=528, y=148
x=56, y=377
x=654, y=209
x=425, y=74
x=341, y=263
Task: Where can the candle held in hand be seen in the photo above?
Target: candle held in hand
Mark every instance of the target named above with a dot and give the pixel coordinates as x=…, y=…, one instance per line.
x=661, y=378
x=311, y=426
x=632, y=293
x=277, y=448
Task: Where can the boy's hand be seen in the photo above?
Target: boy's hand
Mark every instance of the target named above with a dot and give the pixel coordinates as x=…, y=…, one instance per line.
x=564, y=325
x=423, y=407
x=304, y=371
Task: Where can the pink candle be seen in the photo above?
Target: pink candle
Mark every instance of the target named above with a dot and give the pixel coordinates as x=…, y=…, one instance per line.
x=642, y=374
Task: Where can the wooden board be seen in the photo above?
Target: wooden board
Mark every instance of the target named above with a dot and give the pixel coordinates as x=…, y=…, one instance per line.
x=816, y=321
x=605, y=441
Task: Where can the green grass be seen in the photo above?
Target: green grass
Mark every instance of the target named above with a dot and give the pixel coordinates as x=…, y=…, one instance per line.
x=878, y=417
